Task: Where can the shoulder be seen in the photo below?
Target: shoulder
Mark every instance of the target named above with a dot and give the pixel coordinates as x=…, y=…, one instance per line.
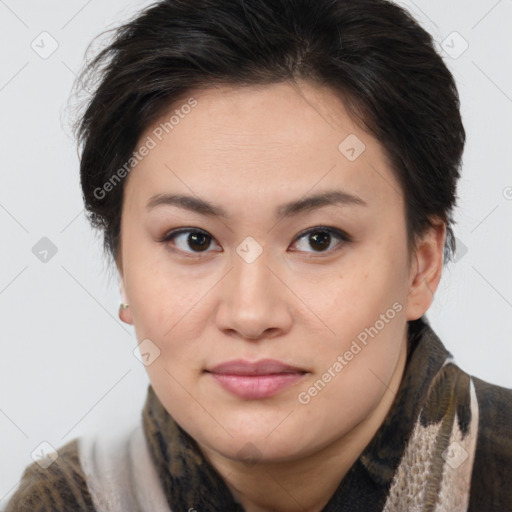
x=495, y=405
x=59, y=487
x=492, y=470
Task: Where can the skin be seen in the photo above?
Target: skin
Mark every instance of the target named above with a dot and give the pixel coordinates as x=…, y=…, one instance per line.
x=250, y=150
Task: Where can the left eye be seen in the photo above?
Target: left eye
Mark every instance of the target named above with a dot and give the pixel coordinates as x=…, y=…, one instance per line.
x=321, y=238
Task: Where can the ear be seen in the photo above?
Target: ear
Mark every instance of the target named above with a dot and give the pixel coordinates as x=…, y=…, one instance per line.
x=426, y=270
x=125, y=315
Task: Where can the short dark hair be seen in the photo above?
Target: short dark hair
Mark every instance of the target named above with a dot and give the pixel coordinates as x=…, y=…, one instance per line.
x=372, y=52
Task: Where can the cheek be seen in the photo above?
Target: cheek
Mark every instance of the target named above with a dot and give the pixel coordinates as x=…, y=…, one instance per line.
x=355, y=365
x=172, y=314
x=357, y=297
x=158, y=297
x=363, y=308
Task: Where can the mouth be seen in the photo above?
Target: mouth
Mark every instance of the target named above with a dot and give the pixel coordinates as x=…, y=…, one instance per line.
x=256, y=380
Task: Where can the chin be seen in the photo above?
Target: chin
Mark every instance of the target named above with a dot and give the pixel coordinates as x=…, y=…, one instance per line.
x=253, y=451
x=255, y=445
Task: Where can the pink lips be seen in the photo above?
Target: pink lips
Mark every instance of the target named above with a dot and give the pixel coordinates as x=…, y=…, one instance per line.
x=255, y=380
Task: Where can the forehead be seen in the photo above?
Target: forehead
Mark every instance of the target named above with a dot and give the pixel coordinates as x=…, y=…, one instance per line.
x=273, y=140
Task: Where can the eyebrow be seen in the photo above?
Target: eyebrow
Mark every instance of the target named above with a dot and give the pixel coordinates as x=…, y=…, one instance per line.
x=311, y=202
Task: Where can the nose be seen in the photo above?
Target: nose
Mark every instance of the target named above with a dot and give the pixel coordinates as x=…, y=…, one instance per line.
x=254, y=303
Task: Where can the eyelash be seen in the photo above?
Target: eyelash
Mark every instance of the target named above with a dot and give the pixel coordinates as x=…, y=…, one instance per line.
x=341, y=235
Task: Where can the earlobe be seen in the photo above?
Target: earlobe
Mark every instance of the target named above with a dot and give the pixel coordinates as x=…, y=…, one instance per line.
x=125, y=314
x=426, y=271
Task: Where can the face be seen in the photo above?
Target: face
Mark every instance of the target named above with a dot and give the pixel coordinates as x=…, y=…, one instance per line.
x=271, y=268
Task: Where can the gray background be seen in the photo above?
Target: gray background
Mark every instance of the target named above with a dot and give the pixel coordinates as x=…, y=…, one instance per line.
x=67, y=365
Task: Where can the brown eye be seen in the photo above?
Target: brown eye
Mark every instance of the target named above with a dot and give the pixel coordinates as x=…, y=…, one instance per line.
x=198, y=241
x=189, y=240
x=320, y=239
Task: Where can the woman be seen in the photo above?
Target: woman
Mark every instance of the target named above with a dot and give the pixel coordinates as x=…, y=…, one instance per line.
x=275, y=182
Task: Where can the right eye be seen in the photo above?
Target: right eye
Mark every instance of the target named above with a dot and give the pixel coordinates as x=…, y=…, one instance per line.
x=185, y=239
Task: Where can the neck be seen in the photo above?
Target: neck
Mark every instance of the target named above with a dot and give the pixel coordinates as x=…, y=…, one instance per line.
x=308, y=483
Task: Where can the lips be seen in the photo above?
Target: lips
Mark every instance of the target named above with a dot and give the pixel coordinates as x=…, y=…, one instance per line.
x=263, y=367
x=256, y=380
